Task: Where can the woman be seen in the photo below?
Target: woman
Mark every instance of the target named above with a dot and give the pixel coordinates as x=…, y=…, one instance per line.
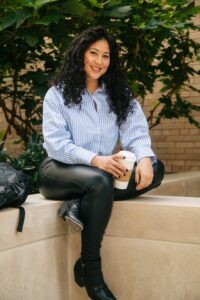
x=86, y=111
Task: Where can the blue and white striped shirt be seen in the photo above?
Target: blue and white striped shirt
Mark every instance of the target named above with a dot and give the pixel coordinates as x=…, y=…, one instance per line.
x=74, y=136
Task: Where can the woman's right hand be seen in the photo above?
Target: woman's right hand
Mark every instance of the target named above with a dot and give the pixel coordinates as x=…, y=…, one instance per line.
x=110, y=164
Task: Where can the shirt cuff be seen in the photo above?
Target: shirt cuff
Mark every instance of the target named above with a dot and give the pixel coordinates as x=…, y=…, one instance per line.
x=85, y=157
x=143, y=152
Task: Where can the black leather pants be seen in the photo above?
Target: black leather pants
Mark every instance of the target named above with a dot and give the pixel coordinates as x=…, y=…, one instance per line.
x=94, y=187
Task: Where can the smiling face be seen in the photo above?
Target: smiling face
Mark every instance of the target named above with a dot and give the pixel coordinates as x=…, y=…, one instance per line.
x=96, y=60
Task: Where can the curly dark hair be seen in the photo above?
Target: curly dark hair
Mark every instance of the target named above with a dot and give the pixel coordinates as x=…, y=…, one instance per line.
x=71, y=78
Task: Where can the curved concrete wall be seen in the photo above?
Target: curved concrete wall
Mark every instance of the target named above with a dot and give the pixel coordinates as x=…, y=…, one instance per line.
x=151, y=249
x=34, y=264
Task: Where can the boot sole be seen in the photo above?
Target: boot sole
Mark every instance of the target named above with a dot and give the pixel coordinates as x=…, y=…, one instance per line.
x=77, y=226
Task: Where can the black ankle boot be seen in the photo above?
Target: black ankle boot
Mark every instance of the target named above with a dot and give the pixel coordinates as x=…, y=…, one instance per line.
x=70, y=210
x=93, y=281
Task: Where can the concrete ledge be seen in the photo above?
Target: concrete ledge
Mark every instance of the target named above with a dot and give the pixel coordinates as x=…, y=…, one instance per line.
x=151, y=251
x=185, y=184
x=34, y=263
x=41, y=222
x=163, y=218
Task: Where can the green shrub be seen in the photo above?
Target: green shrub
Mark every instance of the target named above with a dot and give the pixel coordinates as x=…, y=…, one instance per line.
x=29, y=160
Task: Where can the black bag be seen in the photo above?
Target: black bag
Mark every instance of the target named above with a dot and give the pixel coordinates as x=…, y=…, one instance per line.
x=14, y=189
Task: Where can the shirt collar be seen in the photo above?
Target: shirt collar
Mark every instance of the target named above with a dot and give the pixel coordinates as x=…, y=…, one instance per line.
x=100, y=89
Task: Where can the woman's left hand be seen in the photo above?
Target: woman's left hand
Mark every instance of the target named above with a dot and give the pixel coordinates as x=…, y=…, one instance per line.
x=144, y=173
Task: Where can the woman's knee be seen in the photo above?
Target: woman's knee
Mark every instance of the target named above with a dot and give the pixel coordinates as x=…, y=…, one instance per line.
x=99, y=192
x=102, y=181
x=98, y=197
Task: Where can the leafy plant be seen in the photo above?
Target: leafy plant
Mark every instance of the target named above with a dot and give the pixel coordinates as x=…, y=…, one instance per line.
x=30, y=159
x=157, y=47
x=32, y=34
x=4, y=156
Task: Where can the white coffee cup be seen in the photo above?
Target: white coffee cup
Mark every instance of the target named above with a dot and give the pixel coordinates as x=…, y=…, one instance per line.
x=128, y=162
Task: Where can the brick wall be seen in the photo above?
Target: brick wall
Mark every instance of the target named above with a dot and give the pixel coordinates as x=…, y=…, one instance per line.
x=11, y=146
x=176, y=142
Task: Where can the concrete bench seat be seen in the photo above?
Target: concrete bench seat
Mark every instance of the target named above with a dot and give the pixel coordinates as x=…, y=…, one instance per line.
x=151, y=251
x=41, y=222
x=185, y=184
x=33, y=263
